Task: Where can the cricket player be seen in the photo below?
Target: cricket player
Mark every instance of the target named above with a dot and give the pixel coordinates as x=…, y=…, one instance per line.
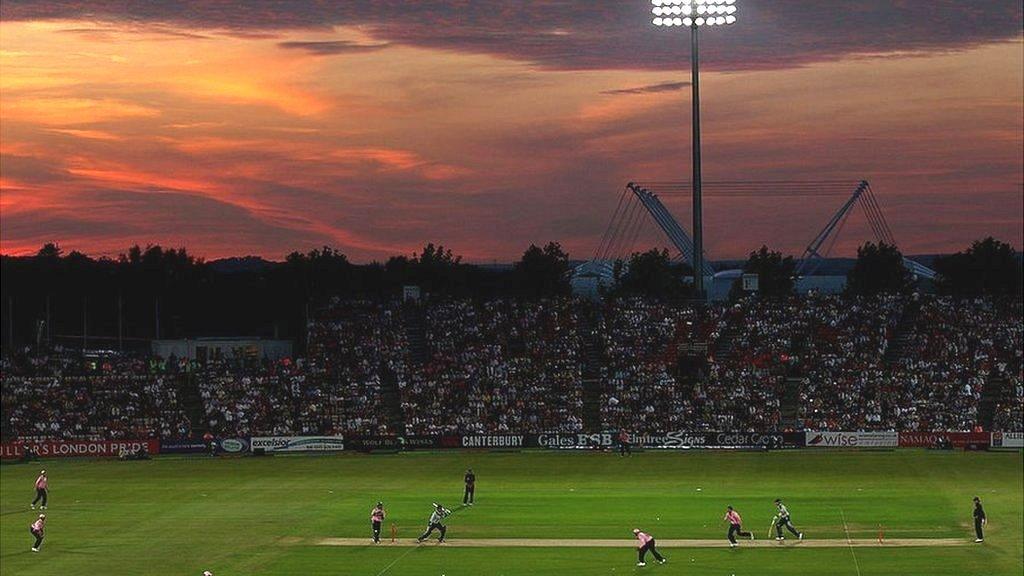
x=782, y=519
x=470, y=479
x=624, y=446
x=645, y=544
x=41, y=490
x=436, y=516
x=36, y=529
x=735, y=528
x=979, y=520
x=377, y=516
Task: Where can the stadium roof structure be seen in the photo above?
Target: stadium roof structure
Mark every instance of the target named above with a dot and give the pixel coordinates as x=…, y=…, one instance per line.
x=638, y=198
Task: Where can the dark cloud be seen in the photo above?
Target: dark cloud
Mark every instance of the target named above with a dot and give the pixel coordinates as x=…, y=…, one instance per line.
x=587, y=34
x=650, y=88
x=332, y=47
x=110, y=31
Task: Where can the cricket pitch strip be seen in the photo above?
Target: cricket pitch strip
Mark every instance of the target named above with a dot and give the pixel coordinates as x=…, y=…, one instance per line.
x=622, y=543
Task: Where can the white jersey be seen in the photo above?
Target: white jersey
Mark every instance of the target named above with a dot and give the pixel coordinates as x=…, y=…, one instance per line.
x=437, y=515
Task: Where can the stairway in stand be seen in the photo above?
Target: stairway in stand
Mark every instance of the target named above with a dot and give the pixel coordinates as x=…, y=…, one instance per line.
x=392, y=397
x=191, y=402
x=593, y=358
x=991, y=396
x=724, y=348
x=789, y=404
x=414, y=318
x=903, y=335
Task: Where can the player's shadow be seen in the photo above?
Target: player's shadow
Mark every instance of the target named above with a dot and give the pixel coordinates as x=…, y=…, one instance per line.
x=12, y=554
x=80, y=550
x=19, y=511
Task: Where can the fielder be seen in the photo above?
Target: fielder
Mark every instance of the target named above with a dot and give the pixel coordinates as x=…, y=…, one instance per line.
x=645, y=544
x=470, y=492
x=36, y=529
x=782, y=519
x=377, y=516
x=735, y=526
x=625, y=448
x=436, y=516
x=41, y=490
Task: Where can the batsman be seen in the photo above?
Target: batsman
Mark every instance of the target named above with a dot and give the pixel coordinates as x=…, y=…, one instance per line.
x=781, y=520
x=436, y=517
x=377, y=516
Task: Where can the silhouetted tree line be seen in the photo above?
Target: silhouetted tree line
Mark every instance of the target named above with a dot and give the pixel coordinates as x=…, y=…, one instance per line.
x=776, y=275
x=652, y=274
x=156, y=292
x=71, y=298
x=988, y=267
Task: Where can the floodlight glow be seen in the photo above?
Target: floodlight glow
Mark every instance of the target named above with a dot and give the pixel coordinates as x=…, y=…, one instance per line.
x=711, y=12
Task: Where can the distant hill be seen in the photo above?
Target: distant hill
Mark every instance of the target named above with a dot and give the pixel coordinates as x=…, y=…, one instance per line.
x=240, y=264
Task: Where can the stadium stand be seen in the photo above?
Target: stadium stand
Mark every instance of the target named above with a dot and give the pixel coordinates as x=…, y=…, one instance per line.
x=882, y=363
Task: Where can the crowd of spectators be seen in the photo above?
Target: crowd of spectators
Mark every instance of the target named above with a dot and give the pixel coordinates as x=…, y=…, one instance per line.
x=953, y=348
x=642, y=387
x=60, y=394
x=337, y=388
x=497, y=366
x=243, y=398
x=515, y=366
x=839, y=351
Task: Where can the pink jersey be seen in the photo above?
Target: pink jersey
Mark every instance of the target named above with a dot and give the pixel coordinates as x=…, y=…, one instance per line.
x=37, y=526
x=643, y=538
x=377, y=515
x=733, y=517
x=41, y=483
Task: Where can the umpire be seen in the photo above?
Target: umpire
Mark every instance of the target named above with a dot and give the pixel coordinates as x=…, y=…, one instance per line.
x=979, y=520
x=470, y=479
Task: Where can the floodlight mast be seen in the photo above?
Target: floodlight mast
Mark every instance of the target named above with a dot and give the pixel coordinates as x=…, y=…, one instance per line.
x=694, y=14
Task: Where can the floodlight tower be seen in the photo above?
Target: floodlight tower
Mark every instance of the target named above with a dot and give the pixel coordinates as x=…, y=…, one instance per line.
x=695, y=14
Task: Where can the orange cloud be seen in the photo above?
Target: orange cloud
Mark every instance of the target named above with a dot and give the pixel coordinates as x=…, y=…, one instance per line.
x=88, y=134
x=249, y=90
x=64, y=111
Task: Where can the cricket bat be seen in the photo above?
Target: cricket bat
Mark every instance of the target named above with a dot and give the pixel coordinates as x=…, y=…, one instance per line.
x=775, y=520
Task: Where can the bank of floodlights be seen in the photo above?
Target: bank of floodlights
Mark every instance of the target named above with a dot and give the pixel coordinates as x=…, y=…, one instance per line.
x=694, y=12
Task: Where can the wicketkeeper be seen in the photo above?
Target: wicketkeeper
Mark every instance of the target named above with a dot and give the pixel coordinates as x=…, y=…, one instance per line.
x=436, y=516
x=782, y=520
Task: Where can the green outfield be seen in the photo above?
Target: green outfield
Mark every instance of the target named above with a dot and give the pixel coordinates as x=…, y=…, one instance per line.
x=276, y=515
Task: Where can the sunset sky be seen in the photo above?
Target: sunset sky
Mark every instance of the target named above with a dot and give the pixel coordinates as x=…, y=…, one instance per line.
x=238, y=127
